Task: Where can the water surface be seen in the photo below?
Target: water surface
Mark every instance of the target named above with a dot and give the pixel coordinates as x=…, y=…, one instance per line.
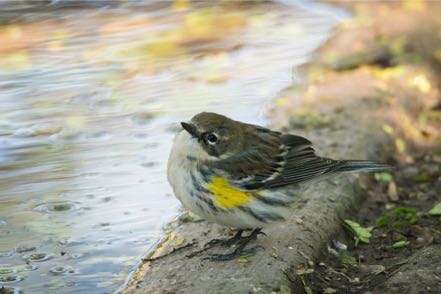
x=90, y=99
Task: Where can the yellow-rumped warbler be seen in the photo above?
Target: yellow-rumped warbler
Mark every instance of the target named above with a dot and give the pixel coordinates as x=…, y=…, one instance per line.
x=236, y=174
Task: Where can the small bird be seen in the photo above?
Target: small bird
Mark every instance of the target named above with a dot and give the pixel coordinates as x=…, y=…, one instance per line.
x=242, y=175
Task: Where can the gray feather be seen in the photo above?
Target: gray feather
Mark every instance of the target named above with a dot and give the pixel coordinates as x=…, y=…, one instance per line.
x=272, y=160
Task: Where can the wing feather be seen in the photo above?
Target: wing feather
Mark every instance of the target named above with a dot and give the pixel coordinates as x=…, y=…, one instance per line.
x=271, y=159
x=274, y=160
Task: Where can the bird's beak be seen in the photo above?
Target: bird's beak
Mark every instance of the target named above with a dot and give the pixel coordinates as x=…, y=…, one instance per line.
x=190, y=128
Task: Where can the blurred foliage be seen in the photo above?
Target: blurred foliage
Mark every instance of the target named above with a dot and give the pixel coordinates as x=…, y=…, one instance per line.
x=400, y=216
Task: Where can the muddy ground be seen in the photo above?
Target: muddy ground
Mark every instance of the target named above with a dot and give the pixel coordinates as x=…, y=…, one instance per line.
x=399, y=47
x=404, y=252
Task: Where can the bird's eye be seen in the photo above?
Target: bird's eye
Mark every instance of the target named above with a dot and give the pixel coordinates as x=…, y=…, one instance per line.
x=212, y=138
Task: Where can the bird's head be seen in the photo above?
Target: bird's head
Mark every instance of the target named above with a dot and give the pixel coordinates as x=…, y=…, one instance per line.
x=217, y=135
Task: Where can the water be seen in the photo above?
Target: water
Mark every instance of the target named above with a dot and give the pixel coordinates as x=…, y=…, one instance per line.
x=90, y=100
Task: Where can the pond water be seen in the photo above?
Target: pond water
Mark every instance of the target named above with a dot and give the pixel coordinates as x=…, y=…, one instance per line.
x=90, y=99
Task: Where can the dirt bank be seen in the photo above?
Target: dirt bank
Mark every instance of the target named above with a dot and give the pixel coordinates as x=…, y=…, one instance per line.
x=399, y=47
x=371, y=92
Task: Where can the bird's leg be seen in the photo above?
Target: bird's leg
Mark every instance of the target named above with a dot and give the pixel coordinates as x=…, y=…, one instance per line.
x=240, y=250
x=223, y=242
x=227, y=241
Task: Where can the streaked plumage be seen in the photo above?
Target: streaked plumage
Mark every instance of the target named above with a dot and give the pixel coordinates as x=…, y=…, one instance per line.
x=237, y=174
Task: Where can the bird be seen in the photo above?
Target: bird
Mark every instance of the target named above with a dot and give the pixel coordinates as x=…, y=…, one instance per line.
x=242, y=175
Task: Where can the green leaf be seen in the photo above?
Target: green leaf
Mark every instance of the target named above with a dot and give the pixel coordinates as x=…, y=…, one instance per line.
x=404, y=210
x=401, y=215
x=384, y=177
x=382, y=221
x=422, y=178
x=400, y=244
x=346, y=260
x=308, y=290
x=436, y=210
x=360, y=234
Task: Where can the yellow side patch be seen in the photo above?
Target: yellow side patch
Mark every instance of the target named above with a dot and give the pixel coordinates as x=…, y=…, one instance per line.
x=225, y=195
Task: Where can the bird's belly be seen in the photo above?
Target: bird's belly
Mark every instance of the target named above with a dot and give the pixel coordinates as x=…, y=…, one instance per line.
x=189, y=189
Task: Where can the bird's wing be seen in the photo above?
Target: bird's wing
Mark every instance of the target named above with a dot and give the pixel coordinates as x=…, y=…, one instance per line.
x=274, y=161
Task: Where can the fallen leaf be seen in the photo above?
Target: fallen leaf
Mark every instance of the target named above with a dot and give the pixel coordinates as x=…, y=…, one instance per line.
x=346, y=259
x=400, y=145
x=421, y=82
x=422, y=178
x=360, y=234
x=304, y=271
x=243, y=260
x=384, y=177
x=373, y=269
x=178, y=242
x=308, y=290
x=436, y=210
x=388, y=129
x=401, y=216
x=392, y=192
x=400, y=244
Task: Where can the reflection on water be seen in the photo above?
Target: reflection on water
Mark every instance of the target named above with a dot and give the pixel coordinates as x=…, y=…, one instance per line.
x=90, y=100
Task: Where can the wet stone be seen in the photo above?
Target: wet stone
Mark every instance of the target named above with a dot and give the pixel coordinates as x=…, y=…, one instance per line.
x=9, y=290
x=62, y=270
x=55, y=207
x=38, y=256
x=10, y=278
x=7, y=271
x=24, y=248
x=5, y=253
x=28, y=268
x=69, y=241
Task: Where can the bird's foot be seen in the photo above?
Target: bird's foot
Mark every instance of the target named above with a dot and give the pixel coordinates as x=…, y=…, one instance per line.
x=227, y=242
x=237, y=253
x=238, y=240
x=240, y=251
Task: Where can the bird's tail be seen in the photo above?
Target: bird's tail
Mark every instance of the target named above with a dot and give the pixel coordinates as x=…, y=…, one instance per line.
x=347, y=166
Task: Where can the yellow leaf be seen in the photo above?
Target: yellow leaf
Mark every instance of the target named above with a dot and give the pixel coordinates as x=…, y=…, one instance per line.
x=178, y=242
x=421, y=82
x=388, y=129
x=417, y=5
x=181, y=4
x=243, y=260
x=400, y=145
